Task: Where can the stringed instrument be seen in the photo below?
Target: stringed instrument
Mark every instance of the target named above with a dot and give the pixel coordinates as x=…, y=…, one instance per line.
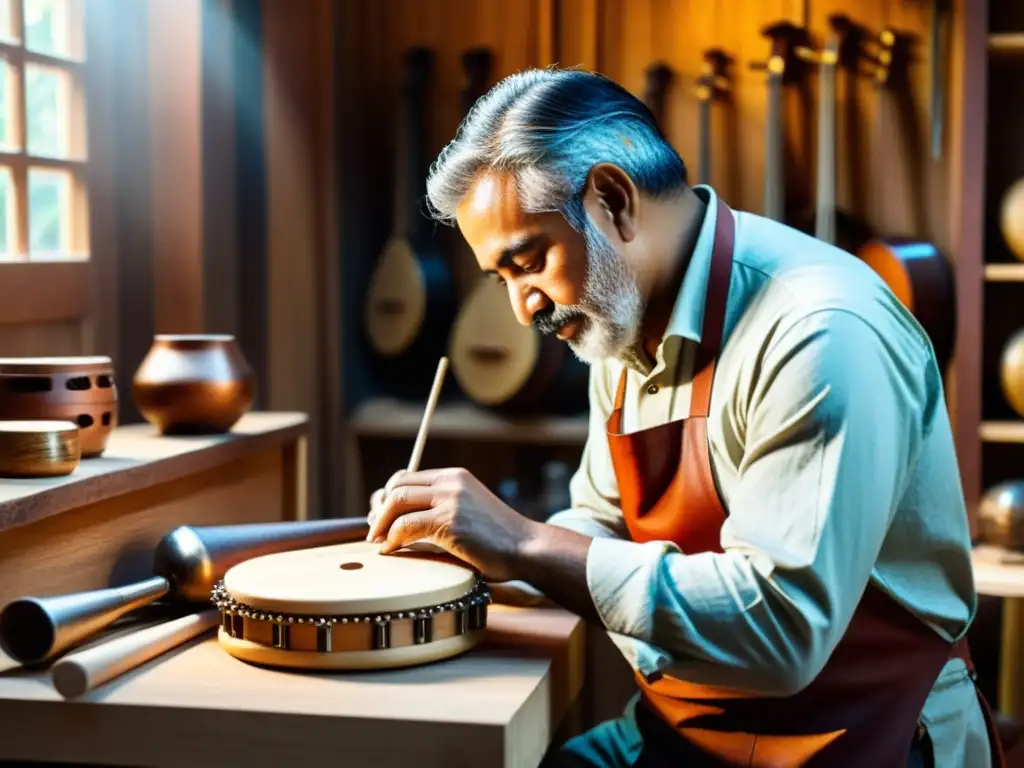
x=659, y=77
x=497, y=362
x=713, y=83
x=917, y=272
x=783, y=68
x=411, y=300
x=827, y=222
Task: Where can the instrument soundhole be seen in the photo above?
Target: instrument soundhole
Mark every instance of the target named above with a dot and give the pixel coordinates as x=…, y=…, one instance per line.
x=351, y=566
x=391, y=307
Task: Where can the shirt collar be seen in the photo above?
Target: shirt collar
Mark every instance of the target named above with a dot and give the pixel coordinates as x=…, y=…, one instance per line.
x=687, y=316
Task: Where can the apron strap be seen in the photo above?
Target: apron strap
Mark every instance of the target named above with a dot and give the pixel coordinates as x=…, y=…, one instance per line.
x=713, y=325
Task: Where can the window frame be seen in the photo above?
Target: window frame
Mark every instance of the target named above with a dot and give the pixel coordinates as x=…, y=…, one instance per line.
x=48, y=287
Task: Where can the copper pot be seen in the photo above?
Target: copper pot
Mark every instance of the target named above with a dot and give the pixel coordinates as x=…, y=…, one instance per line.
x=191, y=384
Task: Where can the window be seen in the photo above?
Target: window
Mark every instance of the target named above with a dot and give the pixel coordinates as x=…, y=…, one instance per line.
x=43, y=195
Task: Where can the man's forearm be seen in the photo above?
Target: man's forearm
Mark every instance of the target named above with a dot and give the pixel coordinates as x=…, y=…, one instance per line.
x=554, y=560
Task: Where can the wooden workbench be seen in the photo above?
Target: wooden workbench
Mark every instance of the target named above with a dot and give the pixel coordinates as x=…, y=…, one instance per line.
x=499, y=705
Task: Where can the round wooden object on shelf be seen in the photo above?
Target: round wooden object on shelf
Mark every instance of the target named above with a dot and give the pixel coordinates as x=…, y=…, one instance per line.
x=1011, y=371
x=349, y=607
x=39, y=448
x=1001, y=516
x=79, y=389
x=1011, y=218
x=192, y=384
x=502, y=364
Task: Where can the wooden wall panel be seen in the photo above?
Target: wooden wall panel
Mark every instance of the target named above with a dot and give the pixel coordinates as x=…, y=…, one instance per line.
x=632, y=34
x=175, y=70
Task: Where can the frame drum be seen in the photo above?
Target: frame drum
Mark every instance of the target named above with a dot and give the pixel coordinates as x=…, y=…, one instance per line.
x=348, y=607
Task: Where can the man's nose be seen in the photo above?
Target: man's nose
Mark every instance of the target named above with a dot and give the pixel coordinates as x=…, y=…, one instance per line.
x=526, y=300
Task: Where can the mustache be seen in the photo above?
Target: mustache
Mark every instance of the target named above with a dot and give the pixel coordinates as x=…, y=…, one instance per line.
x=550, y=319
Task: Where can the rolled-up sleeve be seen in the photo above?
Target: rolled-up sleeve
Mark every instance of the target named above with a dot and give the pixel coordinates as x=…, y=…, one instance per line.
x=593, y=492
x=831, y=426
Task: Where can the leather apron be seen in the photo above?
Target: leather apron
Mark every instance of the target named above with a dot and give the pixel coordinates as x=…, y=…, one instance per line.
x=863, y=709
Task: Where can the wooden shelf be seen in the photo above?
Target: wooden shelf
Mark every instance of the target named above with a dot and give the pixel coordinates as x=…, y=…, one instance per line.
x=385, y=417
x=1006, y=43
x=1004, y=273
x=1002, y=431
x=138, y=458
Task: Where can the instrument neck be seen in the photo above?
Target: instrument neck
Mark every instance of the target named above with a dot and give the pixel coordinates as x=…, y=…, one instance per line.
x=412, y=163
x=774, y=181
x=704, y=117
x=825, y=214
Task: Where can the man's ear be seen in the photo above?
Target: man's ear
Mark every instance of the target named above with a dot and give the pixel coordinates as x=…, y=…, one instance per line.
x=612, y=199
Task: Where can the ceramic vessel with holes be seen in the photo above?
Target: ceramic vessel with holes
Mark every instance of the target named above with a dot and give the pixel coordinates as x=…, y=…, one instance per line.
x=78, y=389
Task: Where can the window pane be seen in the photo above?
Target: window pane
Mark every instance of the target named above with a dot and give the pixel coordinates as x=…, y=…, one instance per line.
x=49, y=212
x=48, y=27
x=8, y=97
x=47, y=111
x=7, y=225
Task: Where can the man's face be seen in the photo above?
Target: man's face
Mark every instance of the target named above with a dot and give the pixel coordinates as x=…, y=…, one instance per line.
x=559, y=280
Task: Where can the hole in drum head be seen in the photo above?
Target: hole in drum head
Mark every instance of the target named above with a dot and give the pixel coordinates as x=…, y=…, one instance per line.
x=78, y=383
x=106, y=418
x=351, y=566
x=83, y=421
x=103, y=381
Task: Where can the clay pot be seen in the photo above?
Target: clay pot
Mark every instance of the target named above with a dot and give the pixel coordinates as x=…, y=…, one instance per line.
x=79, y=389
x=191, y=384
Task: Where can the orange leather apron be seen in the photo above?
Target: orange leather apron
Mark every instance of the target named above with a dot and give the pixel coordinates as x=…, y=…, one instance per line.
x=863, y=709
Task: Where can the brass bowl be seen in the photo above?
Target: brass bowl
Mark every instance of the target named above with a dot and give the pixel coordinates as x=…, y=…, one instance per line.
x=79, y=389
x=1001, y=516
x=30, y=448
x=191, y=384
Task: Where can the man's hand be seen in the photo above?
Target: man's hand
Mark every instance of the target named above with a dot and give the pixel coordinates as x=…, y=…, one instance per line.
x=453, y=510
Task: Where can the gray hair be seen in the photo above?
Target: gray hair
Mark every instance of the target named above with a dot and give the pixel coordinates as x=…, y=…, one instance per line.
x=549, y=127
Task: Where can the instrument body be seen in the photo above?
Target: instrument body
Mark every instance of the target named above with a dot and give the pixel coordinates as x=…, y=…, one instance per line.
x=349, y=607
x=410, y=299
x=503, y=365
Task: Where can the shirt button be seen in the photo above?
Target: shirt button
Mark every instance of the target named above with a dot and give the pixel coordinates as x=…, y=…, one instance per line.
x=652, y=389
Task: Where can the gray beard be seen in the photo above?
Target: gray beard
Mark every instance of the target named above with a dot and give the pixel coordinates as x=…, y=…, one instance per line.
x=612, y=307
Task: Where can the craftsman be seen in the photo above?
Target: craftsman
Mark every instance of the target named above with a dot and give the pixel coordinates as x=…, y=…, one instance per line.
x=783, y=557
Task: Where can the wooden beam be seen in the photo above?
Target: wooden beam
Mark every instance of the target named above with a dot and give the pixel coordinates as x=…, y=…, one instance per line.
x=175, y=87
x=38, y=292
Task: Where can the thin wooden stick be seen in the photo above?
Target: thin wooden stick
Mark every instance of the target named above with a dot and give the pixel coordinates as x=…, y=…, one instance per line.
x=428, y=413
